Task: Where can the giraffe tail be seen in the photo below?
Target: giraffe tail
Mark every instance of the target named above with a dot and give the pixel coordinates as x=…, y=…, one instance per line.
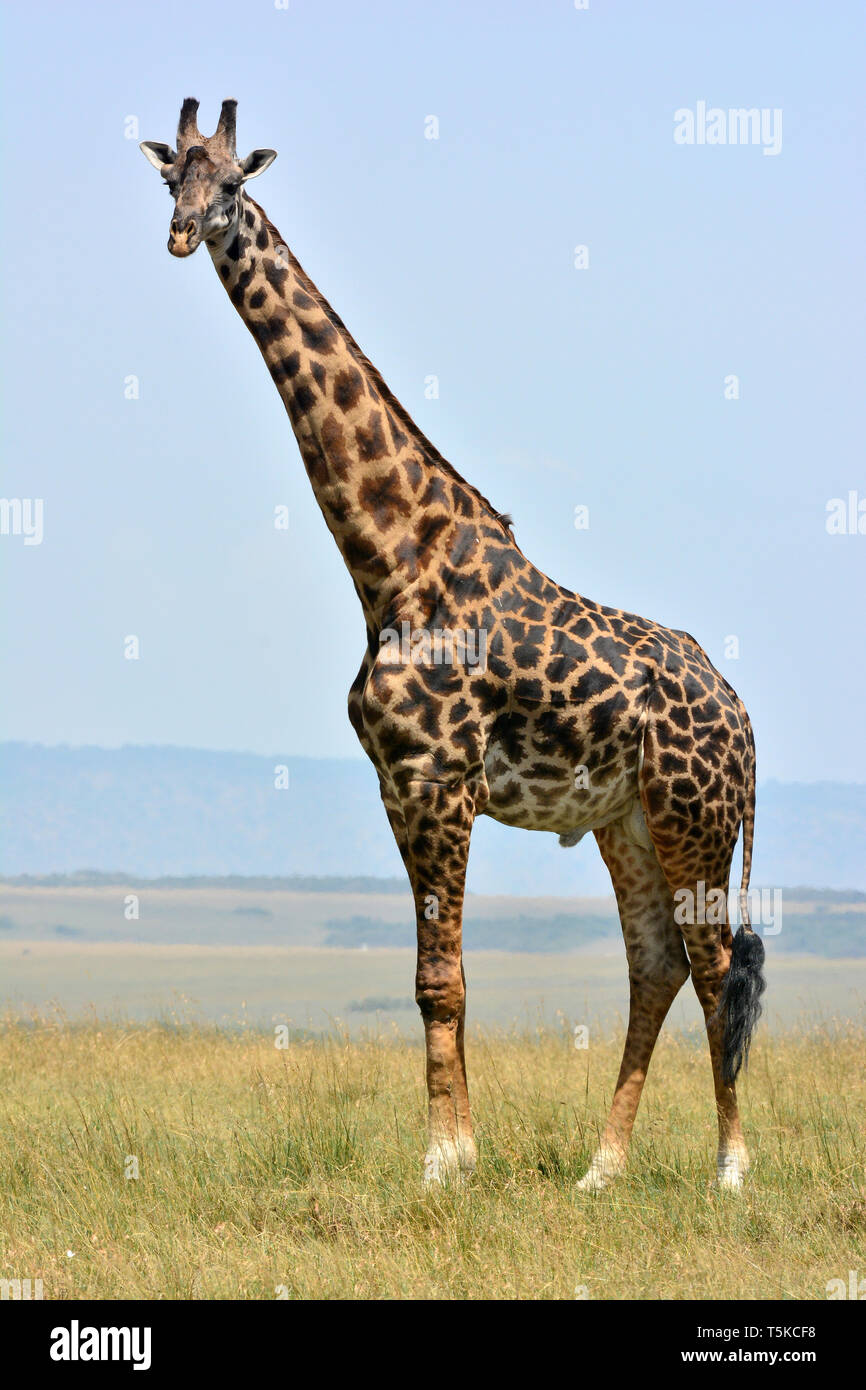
x=740, y=1004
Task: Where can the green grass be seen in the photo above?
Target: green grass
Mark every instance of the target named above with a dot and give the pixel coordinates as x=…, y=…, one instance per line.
x=299, y=1170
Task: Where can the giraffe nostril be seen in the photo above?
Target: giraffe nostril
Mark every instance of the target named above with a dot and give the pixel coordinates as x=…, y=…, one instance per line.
x=190, y=227
x=173, y=228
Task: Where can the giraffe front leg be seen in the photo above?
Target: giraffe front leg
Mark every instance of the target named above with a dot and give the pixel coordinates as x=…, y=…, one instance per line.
x=466, y=1152
x=450, y=1144
x=438, y=820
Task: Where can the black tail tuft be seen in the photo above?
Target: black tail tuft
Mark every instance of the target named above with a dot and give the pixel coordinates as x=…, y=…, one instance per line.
x=740, y=1006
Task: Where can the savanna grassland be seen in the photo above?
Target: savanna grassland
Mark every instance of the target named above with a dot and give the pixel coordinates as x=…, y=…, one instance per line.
x=267, y=1172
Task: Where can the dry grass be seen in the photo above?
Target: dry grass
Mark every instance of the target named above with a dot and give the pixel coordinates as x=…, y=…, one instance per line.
x=262, y=1170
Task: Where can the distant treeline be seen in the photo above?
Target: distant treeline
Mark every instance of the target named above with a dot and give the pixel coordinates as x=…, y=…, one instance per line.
x=829, y=934
x=562, y=932
x=313, y=883
x=295, y=883
x=823, y=895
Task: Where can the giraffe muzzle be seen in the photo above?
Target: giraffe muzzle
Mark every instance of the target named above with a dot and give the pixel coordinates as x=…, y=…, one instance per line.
x=184, y=235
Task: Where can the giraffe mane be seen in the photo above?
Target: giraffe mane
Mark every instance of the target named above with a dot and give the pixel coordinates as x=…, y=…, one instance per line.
x=429, y=449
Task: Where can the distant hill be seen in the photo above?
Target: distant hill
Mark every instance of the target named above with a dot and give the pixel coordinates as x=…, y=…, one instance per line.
x=156, y=812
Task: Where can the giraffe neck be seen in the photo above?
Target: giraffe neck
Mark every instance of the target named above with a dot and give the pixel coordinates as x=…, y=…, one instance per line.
x=392, y=503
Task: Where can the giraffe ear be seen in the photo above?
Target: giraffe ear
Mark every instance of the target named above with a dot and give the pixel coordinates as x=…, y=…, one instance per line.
x=257, y=162
x=157, y=154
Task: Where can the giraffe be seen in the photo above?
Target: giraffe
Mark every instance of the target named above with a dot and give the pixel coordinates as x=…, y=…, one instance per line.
x=579, y=717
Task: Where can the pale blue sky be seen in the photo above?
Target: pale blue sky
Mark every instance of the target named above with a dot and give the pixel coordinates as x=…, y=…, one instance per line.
x=455, y=258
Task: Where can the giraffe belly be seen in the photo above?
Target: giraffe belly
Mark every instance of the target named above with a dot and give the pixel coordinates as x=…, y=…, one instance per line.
x=551, y=793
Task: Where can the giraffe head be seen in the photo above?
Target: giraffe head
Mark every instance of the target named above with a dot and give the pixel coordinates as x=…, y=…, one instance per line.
x=204, y=176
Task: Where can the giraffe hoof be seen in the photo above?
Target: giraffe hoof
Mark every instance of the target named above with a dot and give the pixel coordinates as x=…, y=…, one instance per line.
x=607, y=1165
x=593, y=1182
x=441, y=1164
x=448, y=1161
x=731, y=1169
x=467, y=1157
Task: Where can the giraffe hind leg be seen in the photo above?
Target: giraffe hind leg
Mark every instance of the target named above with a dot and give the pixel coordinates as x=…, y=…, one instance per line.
x=658, y=967
x=694, y=833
